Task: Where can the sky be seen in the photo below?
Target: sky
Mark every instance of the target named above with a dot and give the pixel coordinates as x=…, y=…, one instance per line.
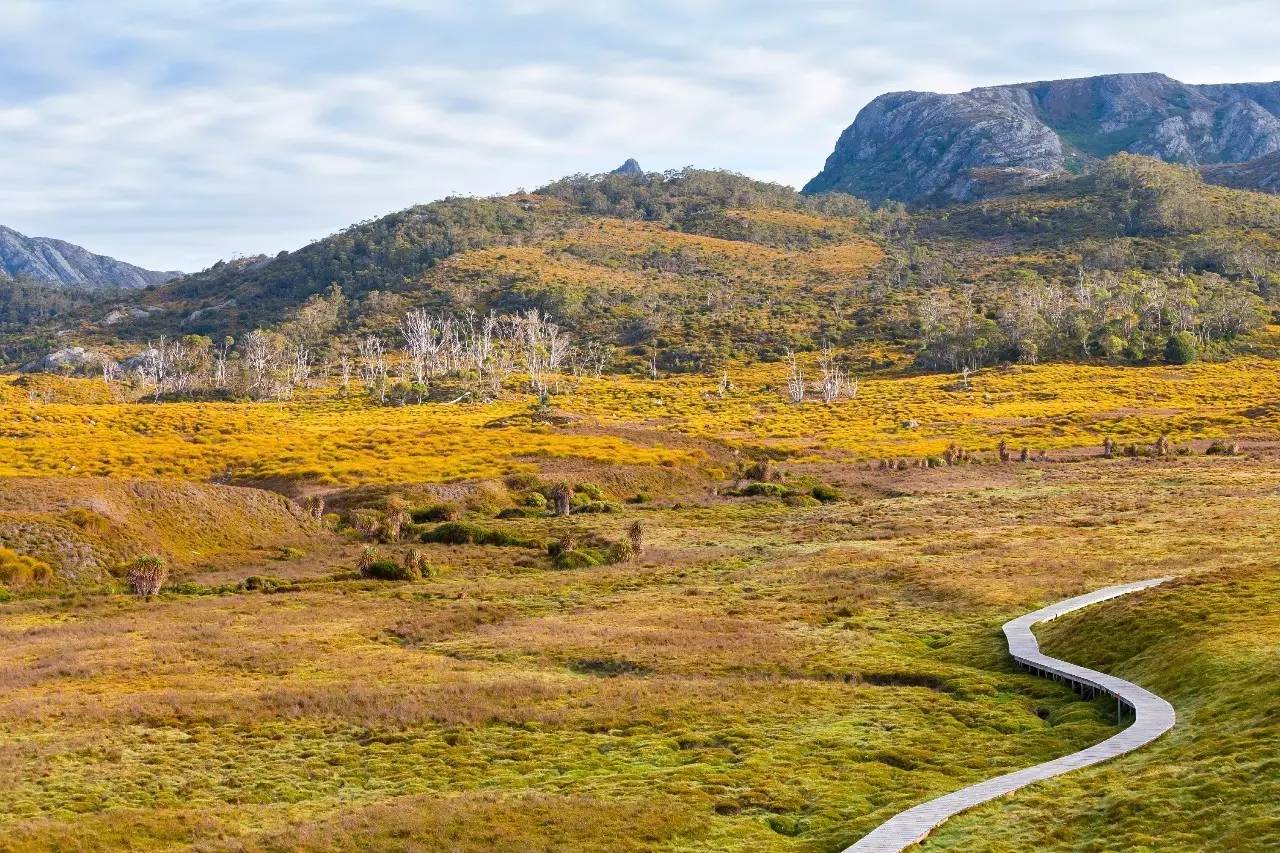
x=174, y=133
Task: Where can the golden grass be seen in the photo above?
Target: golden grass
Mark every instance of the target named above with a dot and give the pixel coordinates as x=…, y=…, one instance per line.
x=325, y=440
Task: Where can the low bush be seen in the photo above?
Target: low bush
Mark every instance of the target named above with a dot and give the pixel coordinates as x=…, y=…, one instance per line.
x=263, y=583
x=522, y=481
x=462, y=533
x=826, y=494
x=389, y=570
x=21, y=570
x=591, y=490
x=436, y=512
x=88, y=520
x=578, y=559
x=761, y=490
x=1222, y=448
x=593, y=507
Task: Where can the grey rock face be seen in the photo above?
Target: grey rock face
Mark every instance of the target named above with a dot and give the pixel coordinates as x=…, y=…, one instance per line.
x=631, y=167
x=65, y=360
x=1261, y=174
x=59, y=262
x=918, y=146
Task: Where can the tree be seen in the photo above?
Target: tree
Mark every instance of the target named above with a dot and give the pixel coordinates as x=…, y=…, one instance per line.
x=146, y=575
x=635, y=534
x=1180, y=348
x=561, y=494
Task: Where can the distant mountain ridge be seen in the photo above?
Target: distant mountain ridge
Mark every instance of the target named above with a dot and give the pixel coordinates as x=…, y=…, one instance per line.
x=59, y=262
x=924, y=146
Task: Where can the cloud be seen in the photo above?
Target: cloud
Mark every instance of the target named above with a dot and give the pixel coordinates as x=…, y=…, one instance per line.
x=175, y=133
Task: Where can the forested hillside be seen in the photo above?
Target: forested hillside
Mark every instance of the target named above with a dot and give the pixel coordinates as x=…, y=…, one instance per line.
x=1134, y=261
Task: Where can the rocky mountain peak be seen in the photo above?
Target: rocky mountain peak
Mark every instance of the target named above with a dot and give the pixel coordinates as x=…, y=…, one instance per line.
x=631, y=167
x=924, y=146
x=58, y=262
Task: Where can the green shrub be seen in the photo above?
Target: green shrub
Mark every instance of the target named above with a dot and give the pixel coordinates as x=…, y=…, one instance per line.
x=1180, y=348
x=591, y=490
x=826, y=494
x=88, y=520
x=263, y=583
x=763, y=490
x=436, y=512
x=639, y=498
x=290, y=553
x=462, y=533
x=579, y=559
x=388, y=570
x=593, y=507
x=522, y=481
x=535, y=500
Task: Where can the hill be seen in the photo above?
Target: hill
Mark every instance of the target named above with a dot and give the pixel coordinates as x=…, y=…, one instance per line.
x=924, y=146
x=695, y=269
x=57, y=262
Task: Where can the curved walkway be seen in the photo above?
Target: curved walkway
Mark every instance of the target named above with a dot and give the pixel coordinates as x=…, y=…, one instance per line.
x=1152, y=717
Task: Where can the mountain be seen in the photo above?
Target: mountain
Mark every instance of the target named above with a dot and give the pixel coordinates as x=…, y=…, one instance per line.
x=1262, y=174
x=59, y=262
x=631, y=167
x=698, y=267
x=928, y=147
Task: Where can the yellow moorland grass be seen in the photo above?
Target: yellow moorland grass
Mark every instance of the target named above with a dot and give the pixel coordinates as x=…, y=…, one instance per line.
x=327, y=440
x=764, y=678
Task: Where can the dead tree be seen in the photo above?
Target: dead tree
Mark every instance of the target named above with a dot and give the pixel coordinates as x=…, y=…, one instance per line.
x=373, y=367
x=833, y=376
x=1108, y=448
x=795, y=381
x=1003, y=449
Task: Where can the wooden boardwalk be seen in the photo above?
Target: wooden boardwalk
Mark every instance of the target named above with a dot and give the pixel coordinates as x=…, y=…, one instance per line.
x=1152, y=717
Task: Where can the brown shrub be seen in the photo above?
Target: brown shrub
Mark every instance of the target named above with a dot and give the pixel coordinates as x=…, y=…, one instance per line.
x=21, y=570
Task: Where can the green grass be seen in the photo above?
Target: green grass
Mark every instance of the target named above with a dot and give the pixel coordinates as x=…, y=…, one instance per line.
x=1211, y=645
x=763, y=678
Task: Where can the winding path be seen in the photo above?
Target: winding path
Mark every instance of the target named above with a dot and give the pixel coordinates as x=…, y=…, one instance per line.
x=1152, y=717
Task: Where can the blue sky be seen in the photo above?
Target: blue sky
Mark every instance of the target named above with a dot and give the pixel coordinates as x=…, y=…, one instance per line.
x=175, y=133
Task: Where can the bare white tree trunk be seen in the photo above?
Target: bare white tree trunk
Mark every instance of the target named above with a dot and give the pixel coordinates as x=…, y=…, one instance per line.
x=795, y=381
x=373, y=367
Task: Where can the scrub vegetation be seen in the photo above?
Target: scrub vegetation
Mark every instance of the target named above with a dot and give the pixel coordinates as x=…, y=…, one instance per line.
x=638, y=616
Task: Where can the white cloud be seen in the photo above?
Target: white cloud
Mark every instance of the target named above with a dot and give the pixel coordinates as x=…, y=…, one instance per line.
x=174, y=133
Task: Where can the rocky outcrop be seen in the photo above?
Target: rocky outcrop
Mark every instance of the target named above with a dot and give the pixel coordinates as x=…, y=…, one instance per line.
x=1261, y=174
x=922, y=146
x=66, y=360
x=59, y=262
x=630, y=168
